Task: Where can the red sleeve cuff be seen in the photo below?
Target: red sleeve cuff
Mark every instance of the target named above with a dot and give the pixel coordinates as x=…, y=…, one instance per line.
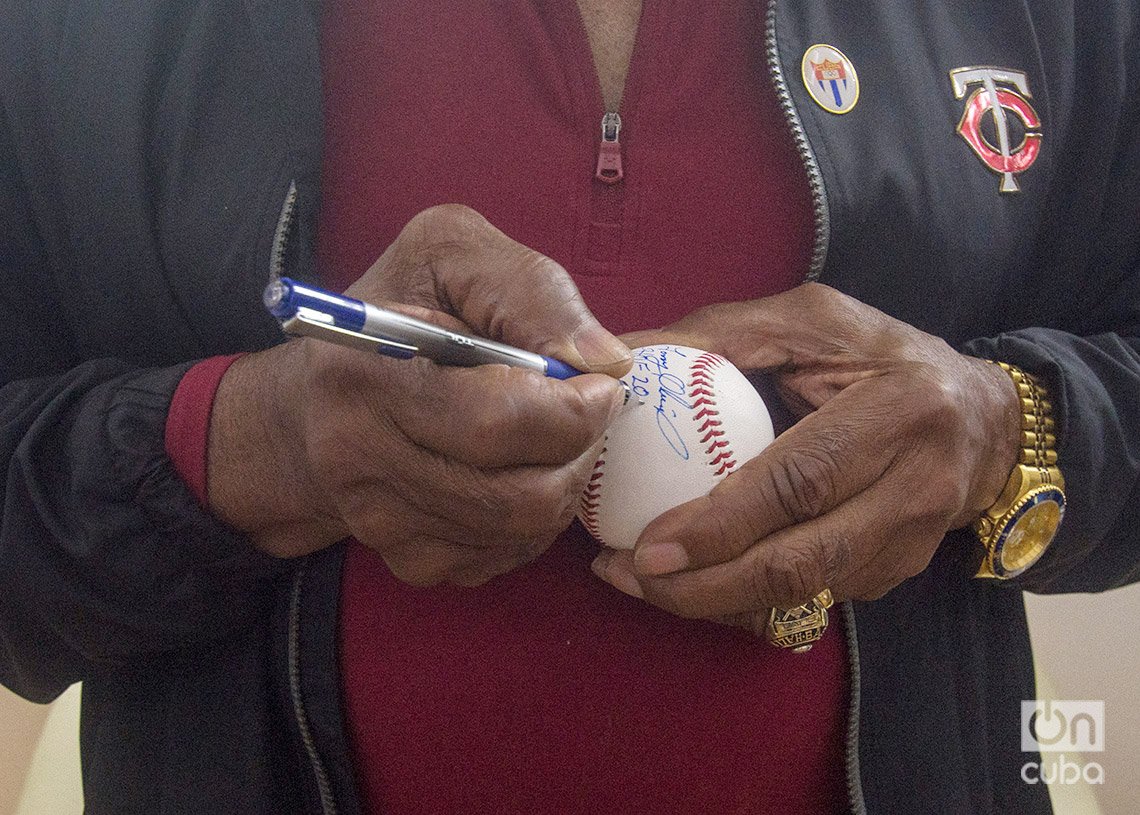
x=188, y=421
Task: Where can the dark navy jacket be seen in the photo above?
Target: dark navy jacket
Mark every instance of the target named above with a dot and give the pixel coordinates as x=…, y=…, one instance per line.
x=158, y=159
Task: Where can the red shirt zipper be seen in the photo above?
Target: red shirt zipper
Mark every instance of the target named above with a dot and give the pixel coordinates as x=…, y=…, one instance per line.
x=609, y=151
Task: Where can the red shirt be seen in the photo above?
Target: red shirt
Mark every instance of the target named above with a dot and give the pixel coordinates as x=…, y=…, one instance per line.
x=547, y=690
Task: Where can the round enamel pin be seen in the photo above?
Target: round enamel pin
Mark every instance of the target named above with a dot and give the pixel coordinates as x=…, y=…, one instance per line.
x=830, y=78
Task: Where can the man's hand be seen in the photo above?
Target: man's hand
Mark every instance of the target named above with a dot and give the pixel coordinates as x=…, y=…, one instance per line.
x=449, y=473
x=903, y=439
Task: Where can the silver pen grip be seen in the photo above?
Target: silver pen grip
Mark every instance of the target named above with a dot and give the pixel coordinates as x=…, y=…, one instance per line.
x=444, y=346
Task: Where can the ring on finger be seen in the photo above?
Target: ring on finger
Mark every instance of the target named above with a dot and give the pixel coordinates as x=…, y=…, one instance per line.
x=801, y=627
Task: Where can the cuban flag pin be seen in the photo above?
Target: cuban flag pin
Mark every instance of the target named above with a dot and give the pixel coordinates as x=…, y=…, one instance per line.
x=830, y=78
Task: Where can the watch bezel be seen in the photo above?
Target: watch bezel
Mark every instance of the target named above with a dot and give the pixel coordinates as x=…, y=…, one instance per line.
x=1035, y=497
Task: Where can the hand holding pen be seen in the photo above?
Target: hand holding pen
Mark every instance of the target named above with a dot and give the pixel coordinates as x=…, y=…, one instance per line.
x=307, y=311
x=450, y=473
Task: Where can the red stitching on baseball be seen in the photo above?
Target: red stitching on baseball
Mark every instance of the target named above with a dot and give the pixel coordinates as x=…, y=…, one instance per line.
x=703, y=394
x=591, y=498
x=726, y=467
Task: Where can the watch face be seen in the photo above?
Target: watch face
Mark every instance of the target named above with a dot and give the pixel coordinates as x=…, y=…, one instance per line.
x=1029, y=532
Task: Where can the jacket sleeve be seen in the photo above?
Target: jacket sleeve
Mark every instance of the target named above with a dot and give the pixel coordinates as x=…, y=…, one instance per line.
x=1091, y=363
x=105, y=556
x=1095, y=388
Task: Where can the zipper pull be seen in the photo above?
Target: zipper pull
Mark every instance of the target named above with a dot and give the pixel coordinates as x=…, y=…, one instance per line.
x=609, y=151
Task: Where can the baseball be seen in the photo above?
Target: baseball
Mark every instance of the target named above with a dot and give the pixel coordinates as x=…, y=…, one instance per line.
x=692, y=420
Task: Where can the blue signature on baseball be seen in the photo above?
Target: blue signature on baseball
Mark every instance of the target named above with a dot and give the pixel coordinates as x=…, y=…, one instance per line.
x=651, y=379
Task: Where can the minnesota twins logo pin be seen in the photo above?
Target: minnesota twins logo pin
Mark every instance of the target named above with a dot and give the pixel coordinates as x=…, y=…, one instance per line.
x=1011, y=145
x=830, y=78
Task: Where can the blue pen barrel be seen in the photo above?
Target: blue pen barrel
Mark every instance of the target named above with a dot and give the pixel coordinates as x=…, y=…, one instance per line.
x=284, y=297
x=558, y=369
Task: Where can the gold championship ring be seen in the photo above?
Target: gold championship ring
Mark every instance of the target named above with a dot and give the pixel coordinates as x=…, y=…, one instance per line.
x=801, y=627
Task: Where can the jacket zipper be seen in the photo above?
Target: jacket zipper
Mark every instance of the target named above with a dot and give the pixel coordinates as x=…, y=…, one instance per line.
x=324, y=788
x=300, y=715
x=799, y=136
x=281, y=232
x=854, y=779
x=818, y=257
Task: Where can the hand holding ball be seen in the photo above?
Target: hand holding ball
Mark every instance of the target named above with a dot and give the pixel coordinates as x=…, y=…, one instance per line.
x=693, y=419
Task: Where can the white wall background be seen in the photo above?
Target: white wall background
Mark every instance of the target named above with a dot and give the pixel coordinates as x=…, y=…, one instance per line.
x=1086, y=645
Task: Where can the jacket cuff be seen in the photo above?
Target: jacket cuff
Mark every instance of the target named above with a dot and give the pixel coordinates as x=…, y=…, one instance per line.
x=1091, y=383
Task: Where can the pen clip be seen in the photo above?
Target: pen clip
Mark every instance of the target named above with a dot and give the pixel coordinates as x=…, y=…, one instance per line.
x=302, y=325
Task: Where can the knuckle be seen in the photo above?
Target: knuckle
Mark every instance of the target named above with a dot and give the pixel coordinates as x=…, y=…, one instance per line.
x=543, y=270
x=538, y=507
x=953, y=495
x=937, y=399
x=418, y=563
x=823, y=298
x=917, y=559
x=489, y=423
x=785, y=579
x=493, y=562
x=703, y=315
x=586, y=421
x=939, y=502
x=837, y=557
x=448, y=219
x=803, y=485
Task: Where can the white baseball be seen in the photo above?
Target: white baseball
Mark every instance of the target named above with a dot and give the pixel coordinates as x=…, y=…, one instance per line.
x=693, y=419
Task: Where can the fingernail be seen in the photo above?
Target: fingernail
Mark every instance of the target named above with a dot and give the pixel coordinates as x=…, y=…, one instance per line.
x=599, y=348
x=660, y=558
x=601, y=563
x=619, y=578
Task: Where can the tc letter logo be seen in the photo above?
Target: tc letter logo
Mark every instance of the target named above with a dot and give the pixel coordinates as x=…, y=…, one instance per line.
x=1003, y=92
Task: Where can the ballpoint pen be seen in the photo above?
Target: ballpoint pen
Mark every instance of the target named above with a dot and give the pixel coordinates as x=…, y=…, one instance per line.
x=312, y=312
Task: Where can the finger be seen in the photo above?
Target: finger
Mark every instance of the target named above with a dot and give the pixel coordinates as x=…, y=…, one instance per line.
x=615, y=566
x=787, y=330
x=663, y=336
x=487, y=416
x=855, y=548
x=509, y=292
x=424, y=549
x=831, y=455
x=906, y=551
x=495, y=416
x=425, y=561
x=482, y=507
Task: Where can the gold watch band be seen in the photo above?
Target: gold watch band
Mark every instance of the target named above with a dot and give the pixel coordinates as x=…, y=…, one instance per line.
x=1038, y=431
x=1017, y=529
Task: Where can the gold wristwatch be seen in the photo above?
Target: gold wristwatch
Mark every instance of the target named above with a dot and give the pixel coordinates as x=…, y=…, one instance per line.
x=1019, y=527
